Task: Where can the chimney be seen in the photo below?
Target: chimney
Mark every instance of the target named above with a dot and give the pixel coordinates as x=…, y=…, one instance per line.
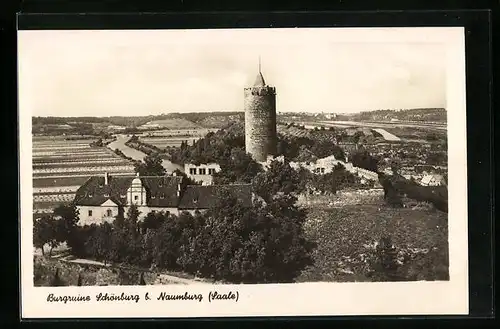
x=106, y=178
x=179, y=188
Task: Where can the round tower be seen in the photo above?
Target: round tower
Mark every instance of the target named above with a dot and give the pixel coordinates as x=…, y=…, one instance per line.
x=260, y=119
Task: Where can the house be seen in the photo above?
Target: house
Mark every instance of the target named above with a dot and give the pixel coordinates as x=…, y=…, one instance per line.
x=322, y=166
x=202, y=173
x=432, y=180
x=100, y=197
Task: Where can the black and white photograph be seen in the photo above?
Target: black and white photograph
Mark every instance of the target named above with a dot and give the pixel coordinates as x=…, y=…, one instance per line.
x=238, y=159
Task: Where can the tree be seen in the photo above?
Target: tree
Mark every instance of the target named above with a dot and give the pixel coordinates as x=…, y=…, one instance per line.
x=69, y=217
x=98, y=245
x=185, y=178
x=150, y=166
x=56, y=280
x=234, y=243
x=279, y=178
x=47, y=230
x=239, y=167
x=142, y=282
x=363, y=159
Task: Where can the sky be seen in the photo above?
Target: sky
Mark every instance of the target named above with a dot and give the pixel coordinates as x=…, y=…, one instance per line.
x=141, y=72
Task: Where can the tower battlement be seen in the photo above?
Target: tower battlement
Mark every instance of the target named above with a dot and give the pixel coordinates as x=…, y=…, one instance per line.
x=260, y=91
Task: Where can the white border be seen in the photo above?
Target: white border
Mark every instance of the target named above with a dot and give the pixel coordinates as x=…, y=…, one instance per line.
x=409, y=298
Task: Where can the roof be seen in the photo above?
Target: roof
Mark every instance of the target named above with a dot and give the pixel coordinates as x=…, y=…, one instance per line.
x=204, y=197
x=259, y=81
x=161, y=191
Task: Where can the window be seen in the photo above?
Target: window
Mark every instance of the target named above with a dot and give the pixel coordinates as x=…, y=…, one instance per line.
x=203, y=171
x=322, y=170
x=192, y=171
x=211, y=171
x=90, y=213
x=109, y=213
x=136, y=197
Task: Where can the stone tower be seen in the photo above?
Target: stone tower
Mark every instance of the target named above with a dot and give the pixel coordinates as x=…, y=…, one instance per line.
x=260, y=119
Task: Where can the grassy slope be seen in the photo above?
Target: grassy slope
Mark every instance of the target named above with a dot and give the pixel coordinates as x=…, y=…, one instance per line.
x=343, y=234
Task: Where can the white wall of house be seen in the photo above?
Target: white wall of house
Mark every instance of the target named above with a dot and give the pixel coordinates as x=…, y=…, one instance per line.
x=98, y=214
x=107, y=213
x=202, y=173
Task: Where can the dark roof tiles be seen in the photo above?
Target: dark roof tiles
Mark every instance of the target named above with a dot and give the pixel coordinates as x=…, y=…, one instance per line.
x=161, y=191
x=204, y=197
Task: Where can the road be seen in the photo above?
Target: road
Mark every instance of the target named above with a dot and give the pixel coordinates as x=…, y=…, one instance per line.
x=138, y=155
x=387, y=135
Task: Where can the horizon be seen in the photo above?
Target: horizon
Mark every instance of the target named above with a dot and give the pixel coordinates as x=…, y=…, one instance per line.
x=121, y=73
x=229, y=111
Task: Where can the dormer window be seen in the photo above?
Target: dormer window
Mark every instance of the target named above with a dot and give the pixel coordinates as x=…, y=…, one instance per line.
x=90, y=195
x=162, y=196
x=153, y=197
x=195, y=200
x=106, y=195
x=160, y=184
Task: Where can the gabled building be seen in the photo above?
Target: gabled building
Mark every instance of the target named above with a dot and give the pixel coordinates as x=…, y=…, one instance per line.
x=100, y=197
x=203, y=173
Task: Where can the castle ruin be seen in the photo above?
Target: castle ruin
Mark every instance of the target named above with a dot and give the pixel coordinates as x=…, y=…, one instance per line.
x=260, y=119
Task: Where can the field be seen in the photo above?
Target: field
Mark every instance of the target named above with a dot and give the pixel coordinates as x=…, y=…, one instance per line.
x=60, y=166
x=174, y=137
x=347, y=235
x=175, y=123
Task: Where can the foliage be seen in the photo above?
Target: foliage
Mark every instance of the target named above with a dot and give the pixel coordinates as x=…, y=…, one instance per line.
x=235, y=244
x=229, y=242
x=384, y=265
x=363, y=159
x=150, y=166
x=47, y=230
x=239, y=167
x=280, y=177
x=71, y=233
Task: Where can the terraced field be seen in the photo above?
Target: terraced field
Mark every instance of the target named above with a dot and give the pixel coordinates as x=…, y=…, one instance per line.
x=61, y=166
